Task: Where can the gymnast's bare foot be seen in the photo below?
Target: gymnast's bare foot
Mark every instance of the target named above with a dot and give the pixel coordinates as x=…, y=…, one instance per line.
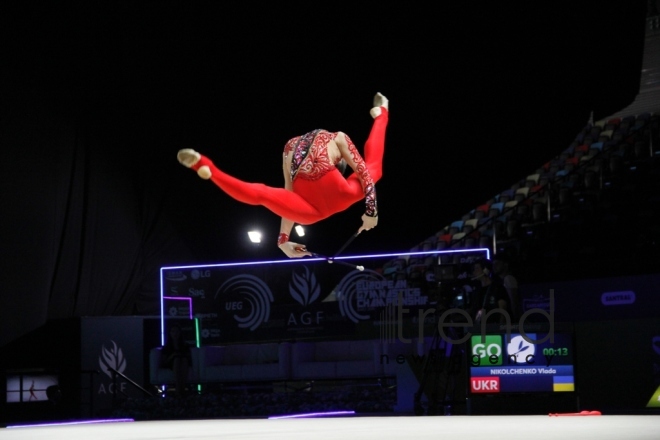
x=189, y=158
x=379, y=101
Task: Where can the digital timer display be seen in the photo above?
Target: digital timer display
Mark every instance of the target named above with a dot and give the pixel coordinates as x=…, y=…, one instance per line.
x=559, y=351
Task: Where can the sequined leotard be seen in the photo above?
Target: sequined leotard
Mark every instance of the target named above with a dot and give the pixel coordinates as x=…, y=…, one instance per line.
x=311, y=161
x=319, y=190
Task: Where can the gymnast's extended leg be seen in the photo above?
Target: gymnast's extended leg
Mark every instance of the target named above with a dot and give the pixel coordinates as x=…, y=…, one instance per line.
x=281, y=201
x=374, y=148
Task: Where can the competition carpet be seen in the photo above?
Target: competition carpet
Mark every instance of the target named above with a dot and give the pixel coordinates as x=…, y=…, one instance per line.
x=345, y=428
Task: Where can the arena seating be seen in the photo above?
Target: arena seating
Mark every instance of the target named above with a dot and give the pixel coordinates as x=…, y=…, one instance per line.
x=611, y=159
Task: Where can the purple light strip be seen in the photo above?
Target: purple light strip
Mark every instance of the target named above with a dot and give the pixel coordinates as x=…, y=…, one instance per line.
x=318, y=414
x=246, y=263
x=162, y=307
x=351, y=257
x=76, y=422
x=425, y=253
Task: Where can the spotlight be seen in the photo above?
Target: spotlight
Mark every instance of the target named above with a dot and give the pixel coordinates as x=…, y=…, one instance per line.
x=300, y=230
x=255, y=236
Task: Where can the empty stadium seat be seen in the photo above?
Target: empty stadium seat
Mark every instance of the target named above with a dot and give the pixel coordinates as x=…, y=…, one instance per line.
x=496, y=209
x=540, y=209
x=532, y=180
x=535, y=189
x=570, y=163
x=521, y=194
x=470, y=225
x=581, y=150
x=486, y=239
x=481, y=211
x=428, y=245
x=472, y=240
x=512, y=227
x=443, y=240
x=505, y=195
x=596, y=148
x=509, y=208
x=614, y=122
x=456, y=226
x=545, y=178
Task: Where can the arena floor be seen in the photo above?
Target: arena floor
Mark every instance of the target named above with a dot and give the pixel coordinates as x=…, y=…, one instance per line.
x=354, y=427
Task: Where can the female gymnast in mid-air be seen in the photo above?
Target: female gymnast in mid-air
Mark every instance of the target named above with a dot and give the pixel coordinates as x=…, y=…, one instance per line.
x=314, y=186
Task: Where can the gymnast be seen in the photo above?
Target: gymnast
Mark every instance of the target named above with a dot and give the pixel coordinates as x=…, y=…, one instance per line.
x=314, y=185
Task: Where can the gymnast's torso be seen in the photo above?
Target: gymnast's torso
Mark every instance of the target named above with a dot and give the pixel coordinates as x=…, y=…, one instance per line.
x=312, y=155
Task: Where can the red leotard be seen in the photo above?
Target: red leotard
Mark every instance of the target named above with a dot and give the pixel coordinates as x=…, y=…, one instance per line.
x=319, y=188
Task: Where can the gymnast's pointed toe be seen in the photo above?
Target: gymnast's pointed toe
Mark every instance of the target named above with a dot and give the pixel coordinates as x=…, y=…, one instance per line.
x=380, y=103
x=188, y=157
x=192, y=159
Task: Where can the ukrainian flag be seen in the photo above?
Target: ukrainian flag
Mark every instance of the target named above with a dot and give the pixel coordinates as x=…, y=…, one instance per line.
x=563, y=383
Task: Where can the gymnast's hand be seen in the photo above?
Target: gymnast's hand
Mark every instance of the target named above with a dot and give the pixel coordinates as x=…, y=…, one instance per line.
x=294, y=250
x=368, y=223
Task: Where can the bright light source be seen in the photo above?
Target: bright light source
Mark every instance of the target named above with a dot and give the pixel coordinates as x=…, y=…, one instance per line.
x=300, y=230
x=255, y=236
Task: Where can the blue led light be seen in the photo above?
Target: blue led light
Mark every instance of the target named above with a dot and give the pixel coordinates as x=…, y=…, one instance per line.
x=312, y=259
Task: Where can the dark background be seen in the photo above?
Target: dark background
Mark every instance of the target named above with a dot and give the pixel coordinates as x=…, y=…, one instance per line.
x=97, y=98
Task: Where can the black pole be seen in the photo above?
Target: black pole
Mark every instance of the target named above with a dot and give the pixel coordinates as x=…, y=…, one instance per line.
x=349, y=241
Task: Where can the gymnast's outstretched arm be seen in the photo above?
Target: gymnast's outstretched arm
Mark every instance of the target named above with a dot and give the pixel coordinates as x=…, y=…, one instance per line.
x=354, y=160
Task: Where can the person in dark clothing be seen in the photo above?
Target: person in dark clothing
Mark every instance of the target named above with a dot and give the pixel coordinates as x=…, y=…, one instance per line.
x=490, y=296
x=503, y=274
x=177, y=357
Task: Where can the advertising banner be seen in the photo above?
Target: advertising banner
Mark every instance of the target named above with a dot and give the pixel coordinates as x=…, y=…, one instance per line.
x=313, y=297
x=109, y=343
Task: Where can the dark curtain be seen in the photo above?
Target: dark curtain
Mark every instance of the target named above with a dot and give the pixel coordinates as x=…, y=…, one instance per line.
x=83, y=231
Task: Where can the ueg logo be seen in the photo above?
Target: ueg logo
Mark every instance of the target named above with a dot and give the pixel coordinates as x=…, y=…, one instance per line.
x=485, y=384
